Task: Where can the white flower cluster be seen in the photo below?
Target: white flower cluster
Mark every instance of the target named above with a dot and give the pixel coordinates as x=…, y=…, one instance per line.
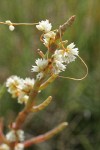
x=13, y=135
x=63, y=57
x=60, y=57
x=18, y=146
x=20, y=88
x=47, y=37
x=46, y=27
x=60, y=60
x=41, y=65
x=4, y=147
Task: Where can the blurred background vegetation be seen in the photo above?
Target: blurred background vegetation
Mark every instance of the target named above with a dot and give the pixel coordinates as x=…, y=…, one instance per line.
x=77, y=102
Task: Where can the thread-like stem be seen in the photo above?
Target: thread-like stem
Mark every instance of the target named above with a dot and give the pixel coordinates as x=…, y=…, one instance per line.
x=78, y=79
x=19, y=24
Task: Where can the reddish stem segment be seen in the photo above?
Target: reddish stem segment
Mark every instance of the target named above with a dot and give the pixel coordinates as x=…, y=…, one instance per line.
x=46, y=136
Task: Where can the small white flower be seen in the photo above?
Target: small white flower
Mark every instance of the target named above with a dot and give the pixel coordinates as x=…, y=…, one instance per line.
x=11, y=28
x=41, y=65
x=4, y=147
x=58, y=55
x=72, y=50
x=20, y=88
x=70, y=58
x=19, y=146
x=46, y=42
x=44, y=26
x=62, y=57
x=13, y=84
x=23, y=98
x=13, y=135
x=27, y=85
x=20, y=134
x=71, y=53
x=68, y=55
x=35, y=69
x=58, y=67
x=47, y=37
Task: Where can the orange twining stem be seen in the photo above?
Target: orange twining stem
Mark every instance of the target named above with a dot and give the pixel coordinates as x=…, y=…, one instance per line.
x=78, y=79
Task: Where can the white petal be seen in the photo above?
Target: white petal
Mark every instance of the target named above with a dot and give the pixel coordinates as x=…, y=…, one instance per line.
x=35, y=69
x=70, y=46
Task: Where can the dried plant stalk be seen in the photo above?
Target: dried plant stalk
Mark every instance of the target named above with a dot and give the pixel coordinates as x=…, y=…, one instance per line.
x=64, y=27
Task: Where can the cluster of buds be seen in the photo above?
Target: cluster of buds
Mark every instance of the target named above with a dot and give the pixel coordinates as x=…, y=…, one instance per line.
x=14, y=136
x=48, y=67
x=9, y=23
x=18, y=146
